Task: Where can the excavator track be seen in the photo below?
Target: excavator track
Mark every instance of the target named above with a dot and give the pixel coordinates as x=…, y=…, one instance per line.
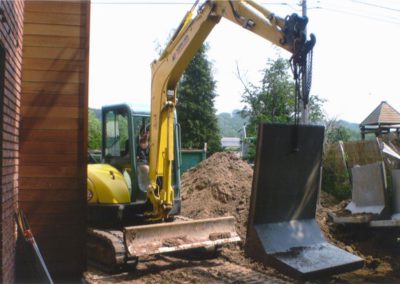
x=106, y=250
x=115, y=250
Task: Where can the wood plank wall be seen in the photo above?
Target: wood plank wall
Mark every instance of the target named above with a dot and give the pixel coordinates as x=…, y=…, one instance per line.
x=11, y=30
x=53, y=137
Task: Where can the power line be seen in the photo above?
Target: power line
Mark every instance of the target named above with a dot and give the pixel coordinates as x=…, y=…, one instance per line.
x=382, y=16
x=358, y=15
x=359, y=2
x=375, y=5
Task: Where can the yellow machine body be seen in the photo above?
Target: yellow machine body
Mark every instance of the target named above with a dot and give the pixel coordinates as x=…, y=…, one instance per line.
x=106, y=185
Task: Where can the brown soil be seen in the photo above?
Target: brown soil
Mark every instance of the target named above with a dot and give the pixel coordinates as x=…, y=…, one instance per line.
x=221, y=186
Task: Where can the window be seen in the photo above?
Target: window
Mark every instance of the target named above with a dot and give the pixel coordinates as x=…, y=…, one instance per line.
x=116, y=134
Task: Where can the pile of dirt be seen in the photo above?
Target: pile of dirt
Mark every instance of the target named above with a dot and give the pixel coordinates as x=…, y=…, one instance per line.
x=219, y=186
x=378, y=248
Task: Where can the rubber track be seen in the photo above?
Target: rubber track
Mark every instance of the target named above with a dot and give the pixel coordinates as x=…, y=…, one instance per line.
x=106, y=249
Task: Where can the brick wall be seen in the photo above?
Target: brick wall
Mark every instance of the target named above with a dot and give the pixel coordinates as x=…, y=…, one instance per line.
x=11, y=31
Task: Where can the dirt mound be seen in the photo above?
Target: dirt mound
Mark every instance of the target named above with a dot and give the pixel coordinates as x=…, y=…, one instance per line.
x=219, y=186
x=379, y=248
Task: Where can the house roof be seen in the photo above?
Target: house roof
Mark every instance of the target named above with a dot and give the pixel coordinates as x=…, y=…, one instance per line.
x=382, y=114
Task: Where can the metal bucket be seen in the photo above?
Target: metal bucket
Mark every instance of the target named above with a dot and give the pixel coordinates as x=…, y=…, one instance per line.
x=179, y=236
x=282, y=230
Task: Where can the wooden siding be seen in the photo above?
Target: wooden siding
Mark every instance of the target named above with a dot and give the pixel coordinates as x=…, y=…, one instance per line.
x=11, y=29
x=53, y=134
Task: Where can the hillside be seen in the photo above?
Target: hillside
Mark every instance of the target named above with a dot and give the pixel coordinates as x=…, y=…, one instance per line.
x=350, y=125
x=353, y=128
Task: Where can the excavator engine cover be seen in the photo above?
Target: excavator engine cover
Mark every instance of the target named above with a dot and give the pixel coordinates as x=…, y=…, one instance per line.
x=282, y=230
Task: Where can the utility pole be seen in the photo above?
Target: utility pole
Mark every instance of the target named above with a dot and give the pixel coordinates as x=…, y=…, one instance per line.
x=304, y=107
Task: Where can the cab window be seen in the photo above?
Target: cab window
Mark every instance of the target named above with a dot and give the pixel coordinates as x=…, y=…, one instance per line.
x=116, y=135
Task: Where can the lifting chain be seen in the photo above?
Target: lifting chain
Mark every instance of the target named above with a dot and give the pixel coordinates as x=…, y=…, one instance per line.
x=301, y=65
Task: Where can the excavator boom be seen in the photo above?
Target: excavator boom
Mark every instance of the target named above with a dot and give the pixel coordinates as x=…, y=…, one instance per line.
x=288, y=33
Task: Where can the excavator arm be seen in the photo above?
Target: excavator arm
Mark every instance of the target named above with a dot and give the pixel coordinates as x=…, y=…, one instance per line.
x=288, y=33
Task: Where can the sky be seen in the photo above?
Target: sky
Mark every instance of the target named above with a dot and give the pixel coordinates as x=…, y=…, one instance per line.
x=356, y=62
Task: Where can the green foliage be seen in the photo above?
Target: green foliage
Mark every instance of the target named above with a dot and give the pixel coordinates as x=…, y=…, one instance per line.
x=316, y=110
x=251, y=150
x=336, y=183
x=123, y=130
x=274, y=100
x=94, y=131
x=341, y=130
x=195, y=107
x=335, y=176
x=339, y=133
x=230, y=124
x=353, y=130
x=335, y=131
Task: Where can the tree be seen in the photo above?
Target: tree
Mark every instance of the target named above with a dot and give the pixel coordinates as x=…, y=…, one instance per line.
x=94, y=131
x=335, y=132
x=195, y=107
x=274, y=100
x=316, y=110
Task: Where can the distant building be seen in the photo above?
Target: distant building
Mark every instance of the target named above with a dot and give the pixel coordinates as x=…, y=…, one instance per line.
x=383, y=119
x=233, y=143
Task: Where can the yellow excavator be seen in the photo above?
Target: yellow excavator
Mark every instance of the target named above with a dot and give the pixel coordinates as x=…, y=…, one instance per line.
x=117, y=198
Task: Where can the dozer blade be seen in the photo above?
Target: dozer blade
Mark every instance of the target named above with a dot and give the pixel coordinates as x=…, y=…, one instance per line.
x=282, y=230
x=179, y=236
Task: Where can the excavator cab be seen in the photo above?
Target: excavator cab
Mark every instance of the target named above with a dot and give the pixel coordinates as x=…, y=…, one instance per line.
x=123, y=128
x=117, y=187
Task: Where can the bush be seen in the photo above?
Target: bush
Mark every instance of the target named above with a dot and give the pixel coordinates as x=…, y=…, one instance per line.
x=335, y=176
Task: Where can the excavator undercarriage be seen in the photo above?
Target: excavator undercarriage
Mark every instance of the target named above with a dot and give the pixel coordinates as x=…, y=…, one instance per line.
x=106, y=250
x=116, y=250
